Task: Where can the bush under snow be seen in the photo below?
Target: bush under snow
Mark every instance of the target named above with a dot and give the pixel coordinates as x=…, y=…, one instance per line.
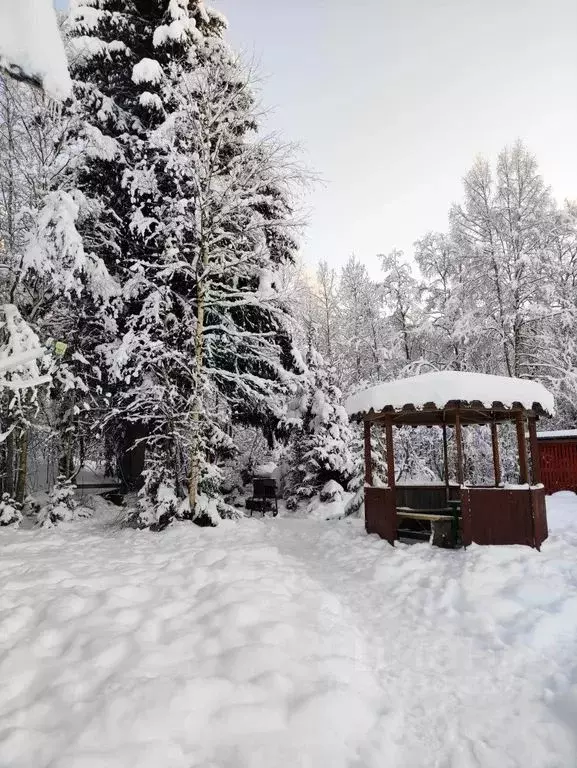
x=61, y=506
x=10, y=511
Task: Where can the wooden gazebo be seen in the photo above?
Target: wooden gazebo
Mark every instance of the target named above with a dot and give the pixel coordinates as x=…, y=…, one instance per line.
x=496, y=514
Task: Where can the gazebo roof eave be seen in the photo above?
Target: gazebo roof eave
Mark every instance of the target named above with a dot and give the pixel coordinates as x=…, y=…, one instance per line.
x=442, y=391
x=432, y=415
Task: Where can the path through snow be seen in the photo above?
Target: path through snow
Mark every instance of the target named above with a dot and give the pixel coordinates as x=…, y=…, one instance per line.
x=285, y=643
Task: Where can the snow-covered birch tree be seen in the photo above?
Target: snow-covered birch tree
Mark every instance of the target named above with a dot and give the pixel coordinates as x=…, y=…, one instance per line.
x=451, y=337
x=502, y=228
x=401, y=298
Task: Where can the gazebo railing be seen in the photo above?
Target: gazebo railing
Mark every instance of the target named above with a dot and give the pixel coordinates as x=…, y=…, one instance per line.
x=484, y=515
x=504, y=516
x=487, y=515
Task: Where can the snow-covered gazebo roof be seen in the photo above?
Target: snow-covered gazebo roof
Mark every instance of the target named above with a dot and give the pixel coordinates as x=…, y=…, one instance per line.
x=431, y=397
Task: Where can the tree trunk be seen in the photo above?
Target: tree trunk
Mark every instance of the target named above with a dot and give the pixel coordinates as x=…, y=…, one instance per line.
x=376, y=351
x=66, y=458
x=195, y=458
x=9, y=481
x=22, y=466
x=132, y=456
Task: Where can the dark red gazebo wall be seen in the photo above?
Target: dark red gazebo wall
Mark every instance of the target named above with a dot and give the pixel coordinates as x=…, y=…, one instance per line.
x=558, y=460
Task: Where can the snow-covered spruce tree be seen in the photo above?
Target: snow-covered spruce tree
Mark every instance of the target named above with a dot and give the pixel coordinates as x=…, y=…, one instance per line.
x=61, y=506
x=320, y=447
x=194, y=220
x=355, y=505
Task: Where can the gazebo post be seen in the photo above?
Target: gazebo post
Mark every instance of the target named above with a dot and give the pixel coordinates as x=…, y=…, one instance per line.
x=496, y=455
x=459, y=441
x=446, y=457
x=522, y=444
x=368, y=454
x=535, y=463
x=390, y=452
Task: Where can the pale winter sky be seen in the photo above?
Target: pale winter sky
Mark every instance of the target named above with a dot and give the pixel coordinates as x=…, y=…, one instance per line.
x=391, y=100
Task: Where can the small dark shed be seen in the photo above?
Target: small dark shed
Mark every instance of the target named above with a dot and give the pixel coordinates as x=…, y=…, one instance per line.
x=558, y=459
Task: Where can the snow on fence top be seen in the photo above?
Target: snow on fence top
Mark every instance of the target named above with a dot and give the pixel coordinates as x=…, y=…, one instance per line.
x=443, y=387
x=558, y=434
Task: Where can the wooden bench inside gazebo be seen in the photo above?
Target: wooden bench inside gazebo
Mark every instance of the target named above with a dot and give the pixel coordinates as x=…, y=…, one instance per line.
x=456, y=512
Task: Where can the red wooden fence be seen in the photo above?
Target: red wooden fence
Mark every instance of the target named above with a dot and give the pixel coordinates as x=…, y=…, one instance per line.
x=558, y=459
x=501, y=516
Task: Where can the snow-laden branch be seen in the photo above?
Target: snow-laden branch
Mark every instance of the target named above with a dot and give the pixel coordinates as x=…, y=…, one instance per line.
x=31, y=48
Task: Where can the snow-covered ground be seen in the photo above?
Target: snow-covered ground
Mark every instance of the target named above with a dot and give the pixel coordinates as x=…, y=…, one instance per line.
x=285, y=642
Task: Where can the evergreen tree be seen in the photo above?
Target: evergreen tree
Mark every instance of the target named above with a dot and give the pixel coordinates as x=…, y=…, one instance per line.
x=356, y=504
x=192, y=217
x=322, y=440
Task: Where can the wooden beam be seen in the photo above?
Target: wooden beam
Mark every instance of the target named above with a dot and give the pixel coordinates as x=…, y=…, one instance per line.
x=496, y=453
x=433, y=516
x=368, y=455
x=522, y=445
x=535, y=463
x=390, y=452
x=459, y=441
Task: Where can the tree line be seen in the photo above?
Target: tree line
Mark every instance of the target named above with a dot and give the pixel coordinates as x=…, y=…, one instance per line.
x=495, y=293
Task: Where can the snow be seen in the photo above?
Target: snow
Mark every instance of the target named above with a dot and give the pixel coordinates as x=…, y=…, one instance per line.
x=176, y=31
x=55, y=248
x=285, y=642
x=19, y=369
x=562, y=512
x=13, y=361
x=557, y=433
x=84, y=17
x=151, y=101
x=214, y=14
x=30, y=44
x=331, y=491
x=147, y=71
x=86, y=47
x=101, y=146
x=266, y=288
x=269, y=469
x=442, y=387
